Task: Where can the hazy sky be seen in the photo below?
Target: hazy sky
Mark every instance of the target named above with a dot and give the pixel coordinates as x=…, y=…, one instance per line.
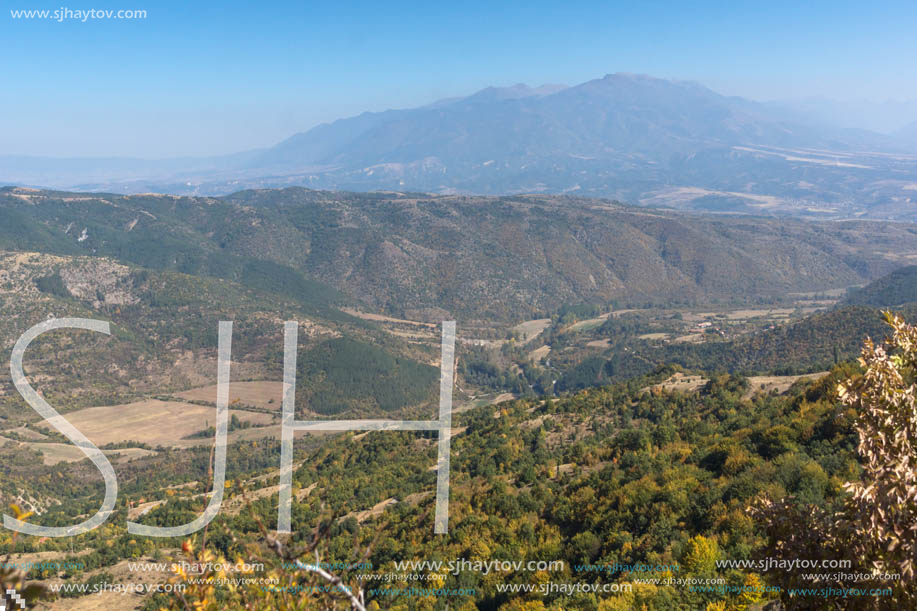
x=197, y=78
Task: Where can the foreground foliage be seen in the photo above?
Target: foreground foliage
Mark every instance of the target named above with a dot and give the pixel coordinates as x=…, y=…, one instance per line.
x=876, y=525
x=619, y=475
x=616, y=475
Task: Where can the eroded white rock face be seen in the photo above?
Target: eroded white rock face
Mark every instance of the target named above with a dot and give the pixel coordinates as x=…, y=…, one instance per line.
x=99, y=281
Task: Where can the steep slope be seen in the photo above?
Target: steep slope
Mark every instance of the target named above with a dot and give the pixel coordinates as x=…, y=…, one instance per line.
x=899, y=287
x=618, y=116
x=815, y=343
x=629, y=136
x=632, y=137
x=164, y=337
x=495, y=259
x=812, y=344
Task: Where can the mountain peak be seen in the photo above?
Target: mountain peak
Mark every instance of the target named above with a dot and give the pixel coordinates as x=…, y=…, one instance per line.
x=513, y=92
x=633, y=76
x=625, y=135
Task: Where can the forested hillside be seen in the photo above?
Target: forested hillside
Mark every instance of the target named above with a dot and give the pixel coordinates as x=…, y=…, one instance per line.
x=615, y=475
x=475, y=258
x=897, y=288
x=585, y=431
x=164, y=337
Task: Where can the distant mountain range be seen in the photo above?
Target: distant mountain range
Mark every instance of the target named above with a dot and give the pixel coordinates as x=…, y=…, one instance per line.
x=886, y=117
x=908, y=132
x=630, y=137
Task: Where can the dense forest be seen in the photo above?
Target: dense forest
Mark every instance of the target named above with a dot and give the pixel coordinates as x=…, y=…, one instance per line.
x=479, y=258
x=611, y=476
x=898, y=287
x=618, y=475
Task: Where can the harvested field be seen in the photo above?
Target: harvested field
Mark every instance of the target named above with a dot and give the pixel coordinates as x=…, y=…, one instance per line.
x=539, y=354
x=27, y=433
x=377, y=510
x=142, y=509
x=682, y=383
x=265, y=395
x=235, y=504
x=531, y=329
x=691, y=338
x=589, y=324
x=381, y=318
x=111, y=600
x=53, y=453
x=780, y=384
x=154, y=422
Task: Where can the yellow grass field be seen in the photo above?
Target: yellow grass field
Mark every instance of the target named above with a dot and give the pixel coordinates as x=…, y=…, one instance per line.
x=537, y=355
x=266, y=395
x=687, y=383
x=781, y=384
x=531, y=329
x=154, y=422
x=53, y=453
x=588, y=324
x=682, y=383
x=381, y=318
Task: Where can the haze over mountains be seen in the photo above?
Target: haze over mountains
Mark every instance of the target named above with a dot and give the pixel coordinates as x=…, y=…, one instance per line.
x=886, y=117
x=633, y=138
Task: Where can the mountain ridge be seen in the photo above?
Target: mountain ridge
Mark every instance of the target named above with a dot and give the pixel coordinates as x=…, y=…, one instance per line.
x=479, y=258
x=633, y=138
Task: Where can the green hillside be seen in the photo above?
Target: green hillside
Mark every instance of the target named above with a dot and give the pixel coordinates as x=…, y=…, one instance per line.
x=477, y=258
x=343, y=375
x=815, y=343
x=895, y=289
x=608, y=476
x=611, y=476
x=164, y=332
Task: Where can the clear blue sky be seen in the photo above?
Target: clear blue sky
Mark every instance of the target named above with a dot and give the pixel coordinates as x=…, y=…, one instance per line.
x=200, y=78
